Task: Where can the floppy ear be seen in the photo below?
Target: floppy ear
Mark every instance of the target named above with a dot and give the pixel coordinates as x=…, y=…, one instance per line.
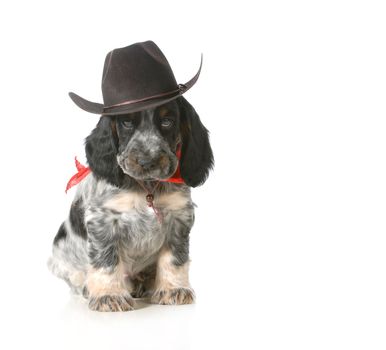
x=101, y=152
x=196, y=154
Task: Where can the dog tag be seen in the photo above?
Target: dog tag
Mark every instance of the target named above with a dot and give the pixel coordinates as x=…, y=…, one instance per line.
x=150, y=199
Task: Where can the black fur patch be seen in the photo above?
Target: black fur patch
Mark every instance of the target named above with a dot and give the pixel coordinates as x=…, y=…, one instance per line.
x=62, y=234
x=77, y=219
x=101, y=152
x=197, y=155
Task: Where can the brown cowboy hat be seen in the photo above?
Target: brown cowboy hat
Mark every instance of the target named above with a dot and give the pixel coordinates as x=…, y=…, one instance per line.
x=135, y=78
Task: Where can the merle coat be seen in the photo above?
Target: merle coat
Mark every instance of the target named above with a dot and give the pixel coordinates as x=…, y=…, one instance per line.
x=113, y=246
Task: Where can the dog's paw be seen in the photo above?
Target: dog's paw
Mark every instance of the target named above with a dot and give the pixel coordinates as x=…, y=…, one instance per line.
x=175, y=296
x=111, y=303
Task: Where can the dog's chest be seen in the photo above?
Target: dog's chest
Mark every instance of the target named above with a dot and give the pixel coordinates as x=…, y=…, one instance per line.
x=141, y=236
x=141, y=231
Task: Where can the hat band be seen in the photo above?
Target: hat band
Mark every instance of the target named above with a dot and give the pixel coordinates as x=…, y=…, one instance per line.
x=125, y=103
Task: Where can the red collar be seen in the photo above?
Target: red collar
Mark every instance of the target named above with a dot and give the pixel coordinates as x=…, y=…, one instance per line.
x=83, y=171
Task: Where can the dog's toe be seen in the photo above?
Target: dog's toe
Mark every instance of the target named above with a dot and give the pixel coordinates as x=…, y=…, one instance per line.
x=175, y=296
x=111, y=303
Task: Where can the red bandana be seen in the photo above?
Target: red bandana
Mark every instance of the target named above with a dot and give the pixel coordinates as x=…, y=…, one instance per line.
x=79, y=176
x=176, y=177
x=83, y=171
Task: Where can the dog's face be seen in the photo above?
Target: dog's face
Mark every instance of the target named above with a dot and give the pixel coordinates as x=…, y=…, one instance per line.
x=143, y=145
x=147, y=142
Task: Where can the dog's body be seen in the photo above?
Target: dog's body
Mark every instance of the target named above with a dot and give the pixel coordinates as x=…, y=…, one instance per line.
x=114, y=246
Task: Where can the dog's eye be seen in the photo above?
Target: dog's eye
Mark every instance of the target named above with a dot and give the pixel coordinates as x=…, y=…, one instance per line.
x=128, y=124
x=166, y=123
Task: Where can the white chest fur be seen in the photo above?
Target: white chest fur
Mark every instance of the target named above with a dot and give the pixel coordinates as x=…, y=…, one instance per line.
x=126, y=201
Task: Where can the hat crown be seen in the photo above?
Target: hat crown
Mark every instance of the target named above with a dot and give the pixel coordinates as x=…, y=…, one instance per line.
x=135, y=72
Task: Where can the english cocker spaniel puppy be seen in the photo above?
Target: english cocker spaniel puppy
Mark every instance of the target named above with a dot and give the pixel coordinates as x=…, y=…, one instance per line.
x=127, y=233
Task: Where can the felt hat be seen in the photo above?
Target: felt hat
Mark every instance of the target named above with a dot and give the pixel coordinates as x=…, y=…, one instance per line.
x=135, y=78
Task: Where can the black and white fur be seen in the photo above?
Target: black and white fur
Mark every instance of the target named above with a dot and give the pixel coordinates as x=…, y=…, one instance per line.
x=112, y=247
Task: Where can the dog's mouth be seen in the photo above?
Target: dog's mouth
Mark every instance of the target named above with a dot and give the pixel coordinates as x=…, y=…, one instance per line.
x=145, y=169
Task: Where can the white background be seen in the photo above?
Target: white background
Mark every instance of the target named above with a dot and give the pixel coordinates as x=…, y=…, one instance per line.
x=288, y=249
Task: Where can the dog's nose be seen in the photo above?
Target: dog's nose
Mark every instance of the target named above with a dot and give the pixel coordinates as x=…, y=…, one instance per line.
x=147, y=163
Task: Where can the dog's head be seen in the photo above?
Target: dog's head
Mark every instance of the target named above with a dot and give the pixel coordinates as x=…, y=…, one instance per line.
x=143, y=145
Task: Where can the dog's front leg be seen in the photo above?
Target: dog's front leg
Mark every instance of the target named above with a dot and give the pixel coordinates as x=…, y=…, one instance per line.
x=172, y=285
x=106, y=290
x=106, y=285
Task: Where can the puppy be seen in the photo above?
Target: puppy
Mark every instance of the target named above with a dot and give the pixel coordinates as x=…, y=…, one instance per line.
x=127, y=233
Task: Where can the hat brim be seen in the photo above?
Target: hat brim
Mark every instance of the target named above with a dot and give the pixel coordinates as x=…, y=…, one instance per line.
x=98, y=108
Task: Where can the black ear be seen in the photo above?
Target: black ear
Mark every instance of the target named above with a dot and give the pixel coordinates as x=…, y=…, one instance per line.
x=101, y=151
x=196, y=154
